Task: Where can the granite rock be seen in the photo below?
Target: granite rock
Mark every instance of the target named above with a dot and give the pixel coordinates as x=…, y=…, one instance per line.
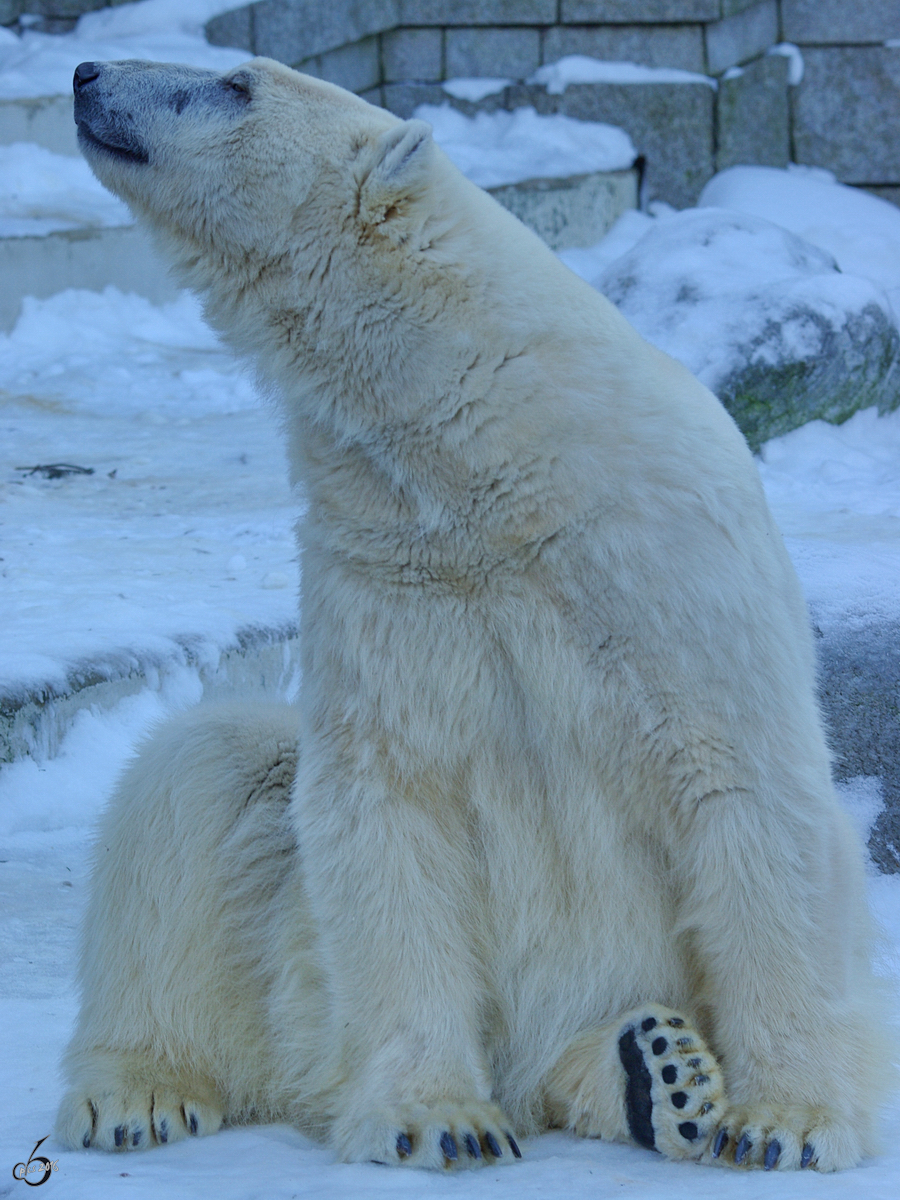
x=763, y=318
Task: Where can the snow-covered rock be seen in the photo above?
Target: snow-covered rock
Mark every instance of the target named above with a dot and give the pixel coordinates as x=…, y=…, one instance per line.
x=765, y=319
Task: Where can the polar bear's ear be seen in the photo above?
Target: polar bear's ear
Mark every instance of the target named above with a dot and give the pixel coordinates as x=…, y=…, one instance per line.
x=397, y=171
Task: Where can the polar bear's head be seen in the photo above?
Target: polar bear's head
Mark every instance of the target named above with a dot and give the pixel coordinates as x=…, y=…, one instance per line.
x=249, y=162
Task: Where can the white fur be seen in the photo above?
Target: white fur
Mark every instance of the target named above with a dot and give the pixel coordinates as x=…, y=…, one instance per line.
x=560, y=756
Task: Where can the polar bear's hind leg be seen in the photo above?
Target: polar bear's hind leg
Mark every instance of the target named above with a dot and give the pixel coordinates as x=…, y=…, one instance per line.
x=192, y=853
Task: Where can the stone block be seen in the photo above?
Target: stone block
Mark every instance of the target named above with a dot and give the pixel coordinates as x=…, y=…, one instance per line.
x=844, y=112
x=355, y=67
x=859, y=690
x=730, y=7
x=836, y=21
x=9, y=11
x=671, y=124
x=477, y=12
x=372, y=95
x=678, y=46
x=889, y=192
x=753, y=116
x=412, y=54
x=232, y=28
x=628, y=12
x=486, y=52
x=576, y=211
x=739, y=38
x=46, y=120
x=402, y=99
x=295, y=30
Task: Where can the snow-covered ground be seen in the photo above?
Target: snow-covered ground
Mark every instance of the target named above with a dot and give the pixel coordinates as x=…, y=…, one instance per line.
x=183, y=532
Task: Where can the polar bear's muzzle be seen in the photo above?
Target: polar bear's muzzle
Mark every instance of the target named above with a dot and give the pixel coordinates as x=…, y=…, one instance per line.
x=101, y=125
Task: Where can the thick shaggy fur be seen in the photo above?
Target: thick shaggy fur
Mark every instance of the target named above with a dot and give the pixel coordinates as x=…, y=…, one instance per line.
x=556, y=780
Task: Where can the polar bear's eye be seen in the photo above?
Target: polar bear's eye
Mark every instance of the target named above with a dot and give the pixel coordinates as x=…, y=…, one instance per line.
x=239, y=85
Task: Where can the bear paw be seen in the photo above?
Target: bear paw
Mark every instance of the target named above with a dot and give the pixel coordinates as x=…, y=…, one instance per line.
x=121, y=1115
x=674, y=1094
x=783, y=1138
x=447, y=1136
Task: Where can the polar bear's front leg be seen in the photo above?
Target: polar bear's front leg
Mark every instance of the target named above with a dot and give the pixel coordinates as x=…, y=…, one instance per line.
x=394, y=897
x=774, y=909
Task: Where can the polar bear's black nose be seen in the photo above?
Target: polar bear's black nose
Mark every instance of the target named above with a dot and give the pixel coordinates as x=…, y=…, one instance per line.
x=84, y=73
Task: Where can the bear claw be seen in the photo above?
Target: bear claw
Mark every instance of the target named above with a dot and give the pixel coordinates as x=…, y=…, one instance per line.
x=472, y=1146
x=742, y=1149
x=807, y=1156
x=449, y=1146
x=773, y=1153
x=493, y=1145
x=720, y=1143
x=404, y=1145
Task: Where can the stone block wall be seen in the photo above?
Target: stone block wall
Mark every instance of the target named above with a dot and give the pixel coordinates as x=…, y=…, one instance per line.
x=49, y=16
x=842, y=115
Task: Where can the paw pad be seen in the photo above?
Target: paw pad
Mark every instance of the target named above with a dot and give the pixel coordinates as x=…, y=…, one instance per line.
x=673, y=1086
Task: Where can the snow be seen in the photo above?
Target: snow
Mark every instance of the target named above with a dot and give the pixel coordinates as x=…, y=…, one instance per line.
x=182, y=534
x=42, y=192
x=474, y=89
x=796, y=66
x=502, y=147
x=41, y=64
x=862, y=231
x=579, y=68
x=708, y=283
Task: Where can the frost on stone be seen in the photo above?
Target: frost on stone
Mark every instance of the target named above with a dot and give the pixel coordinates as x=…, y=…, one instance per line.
x=765, y=319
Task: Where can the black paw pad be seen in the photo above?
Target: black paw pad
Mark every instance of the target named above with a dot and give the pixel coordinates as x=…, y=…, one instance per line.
x=679, y=1099
x=648, y=1023
x=670, y=1073
x=689, y=1131
x=638, y=1105
x=659, y=1046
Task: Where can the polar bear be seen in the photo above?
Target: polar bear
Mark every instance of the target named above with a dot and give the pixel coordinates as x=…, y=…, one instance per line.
x=550, y=837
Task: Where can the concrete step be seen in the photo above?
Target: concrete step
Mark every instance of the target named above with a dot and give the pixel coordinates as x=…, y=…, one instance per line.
x=80, y=258
x=47, y=121
x=859, y=692
x=574, y=211
x=34, y=721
